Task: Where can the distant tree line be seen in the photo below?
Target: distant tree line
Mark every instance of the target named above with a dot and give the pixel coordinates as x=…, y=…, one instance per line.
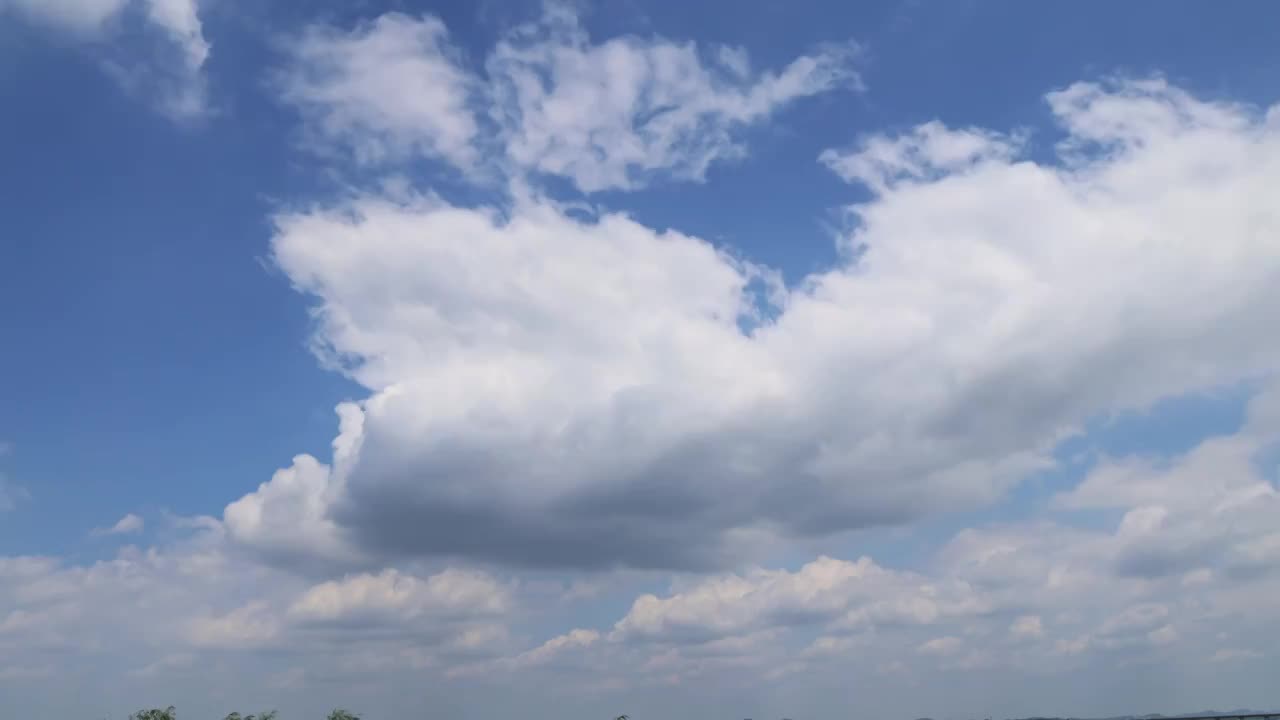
x=170, y=713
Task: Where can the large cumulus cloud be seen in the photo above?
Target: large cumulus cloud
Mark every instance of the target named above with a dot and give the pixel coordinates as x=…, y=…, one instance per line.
x=549, y=390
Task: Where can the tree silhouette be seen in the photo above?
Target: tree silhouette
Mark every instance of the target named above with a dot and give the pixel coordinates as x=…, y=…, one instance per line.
x=341, y=714
x=168, y=713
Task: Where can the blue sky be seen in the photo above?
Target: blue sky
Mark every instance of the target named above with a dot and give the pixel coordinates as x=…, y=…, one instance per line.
x=621, y=409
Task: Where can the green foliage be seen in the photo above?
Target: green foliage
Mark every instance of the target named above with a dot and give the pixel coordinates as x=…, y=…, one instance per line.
x=341, y=714
x=269, y=715
x=155, y=714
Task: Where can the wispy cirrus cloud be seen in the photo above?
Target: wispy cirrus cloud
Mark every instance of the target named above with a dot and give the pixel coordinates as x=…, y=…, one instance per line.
x=547, y=100
x=174, y=77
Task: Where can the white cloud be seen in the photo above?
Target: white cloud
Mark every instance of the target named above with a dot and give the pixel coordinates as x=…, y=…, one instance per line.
x=548, y=100
x=608, y=115
x=1027, y=626
x=400, y=597
x=128, y=525
x=176, y=662
x=1163, y=635
x=187, y=93
x=181, y=19
x=385, y=89
x=941, y=646
x=243, y=628
x=180, y=84
x=290, y=514
x=547, y=651
x=1210, y=511
x=78, y=16
x=146, y=617
x=928, y=152
x=825, y=592
x=545, y=390
x=1232, y=654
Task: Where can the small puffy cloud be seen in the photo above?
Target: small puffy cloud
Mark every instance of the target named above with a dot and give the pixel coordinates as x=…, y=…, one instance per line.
x=178, y=83
x=941, y=646
x=1163, y=635
x=386, y=89
x=395, y=596
x=832, y=645
x=130, y=524
x=1234, y=654
x=1027, y=626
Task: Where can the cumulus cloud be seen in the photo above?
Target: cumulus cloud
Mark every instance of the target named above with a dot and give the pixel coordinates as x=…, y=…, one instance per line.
x=546, y=390
x=1025, y=598
x=1043, y=596
x=1210, y=513
x=148, y=617
x=181, y=84
x=547, y=100
x=543, y=391
x=400, y=597
x=848, y=595
x=127, y=525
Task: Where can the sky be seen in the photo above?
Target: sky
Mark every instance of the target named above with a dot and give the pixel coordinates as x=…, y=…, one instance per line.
x=682, y=360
